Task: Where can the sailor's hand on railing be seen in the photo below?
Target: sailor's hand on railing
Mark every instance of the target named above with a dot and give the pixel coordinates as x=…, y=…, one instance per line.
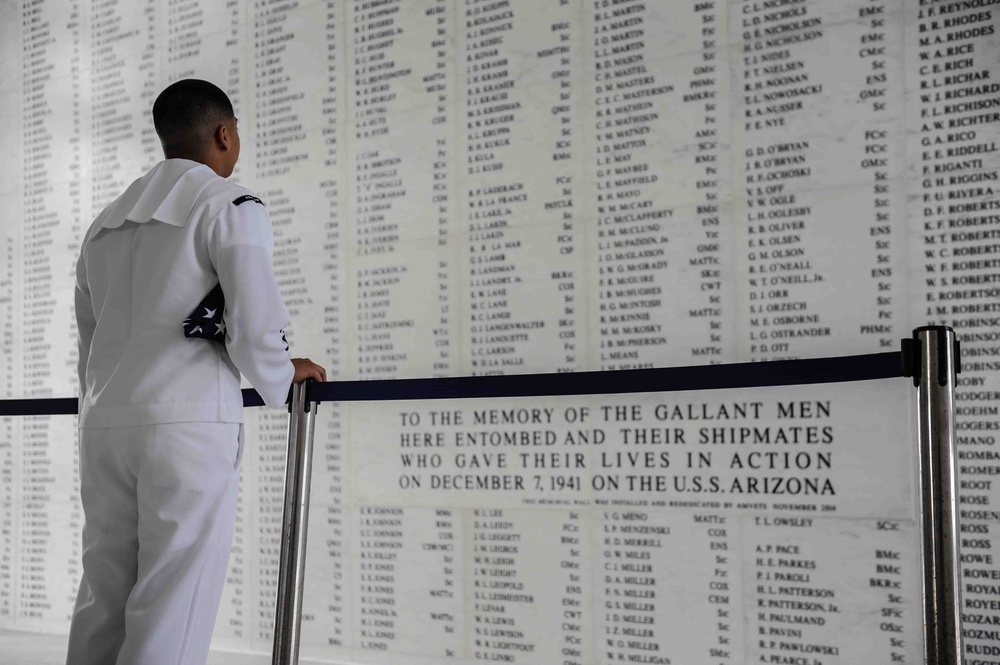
x=307, y=369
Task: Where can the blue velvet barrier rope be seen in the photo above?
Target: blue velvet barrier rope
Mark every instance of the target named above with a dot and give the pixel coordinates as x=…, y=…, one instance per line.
x=702, y=377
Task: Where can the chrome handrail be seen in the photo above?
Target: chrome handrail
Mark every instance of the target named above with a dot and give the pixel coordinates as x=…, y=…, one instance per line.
x=294, y=527
x=938, y=362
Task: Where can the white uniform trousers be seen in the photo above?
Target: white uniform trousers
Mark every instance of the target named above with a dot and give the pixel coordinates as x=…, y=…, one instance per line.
x=160, y=506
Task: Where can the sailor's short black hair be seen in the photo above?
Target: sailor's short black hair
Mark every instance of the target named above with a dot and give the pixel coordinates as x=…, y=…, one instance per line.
x=187, y=112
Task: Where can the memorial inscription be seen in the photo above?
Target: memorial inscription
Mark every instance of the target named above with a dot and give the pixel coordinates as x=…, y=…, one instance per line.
x=489, y=187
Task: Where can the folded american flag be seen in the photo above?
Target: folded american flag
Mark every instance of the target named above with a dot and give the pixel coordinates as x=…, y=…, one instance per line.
x=206, y=322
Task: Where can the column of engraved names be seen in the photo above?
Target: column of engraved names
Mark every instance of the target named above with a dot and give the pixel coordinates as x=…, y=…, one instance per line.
x=791, y=616
x=441, y=84
x=234, y=603
x=518, y=589
x=329, y=501
x=632, y=222
x=8, y=543
x=123, y=76
x=401, y=188
x=38, y=237
x=379, y=567
x=328, y=602
x=409, y=561
x=777, y=80
x=269, y=464
x=662, y=185
x=282, y=149
x=334, y=309
x=494, y=557
x=416, y=607
x=378, y=183
x=626, y=579
x=955, y=134
x=489, y=207
x=51, y=194
x=79, y=216
x=145, y=146
x=486, y=215
x=38, y=518
x=10, y=346
x=10, y=428
x=519, y=179
x=812, y=592
x=184, y=43
x=333, y=131
x=796, y=203
x=276, y=145
x=667, y=586
x=78, y=219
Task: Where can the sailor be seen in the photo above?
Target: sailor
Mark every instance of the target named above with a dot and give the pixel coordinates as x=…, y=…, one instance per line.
x=161, y=412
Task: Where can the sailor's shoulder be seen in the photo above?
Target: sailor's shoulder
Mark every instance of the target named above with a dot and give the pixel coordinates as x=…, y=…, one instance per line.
x=220, y=190
x=224, y=198
x=246, y=198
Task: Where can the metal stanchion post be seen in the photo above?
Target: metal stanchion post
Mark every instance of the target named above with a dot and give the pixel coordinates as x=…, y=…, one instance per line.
x=294, y=525
x=935, y=352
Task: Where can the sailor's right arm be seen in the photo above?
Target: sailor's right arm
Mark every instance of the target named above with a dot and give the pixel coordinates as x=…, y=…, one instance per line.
x=86, y=321
x=240, y=244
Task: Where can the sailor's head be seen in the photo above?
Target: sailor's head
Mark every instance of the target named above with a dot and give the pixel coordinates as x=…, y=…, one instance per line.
x=194, y=120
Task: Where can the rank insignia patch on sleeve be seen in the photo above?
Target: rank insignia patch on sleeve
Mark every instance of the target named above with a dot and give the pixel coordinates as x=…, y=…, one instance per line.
x=245, y=198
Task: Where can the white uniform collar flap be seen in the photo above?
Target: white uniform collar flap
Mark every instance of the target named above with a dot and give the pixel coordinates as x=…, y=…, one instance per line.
x=166, y=194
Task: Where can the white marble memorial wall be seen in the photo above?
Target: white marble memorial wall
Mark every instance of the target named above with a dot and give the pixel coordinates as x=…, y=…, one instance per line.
x=494, y=186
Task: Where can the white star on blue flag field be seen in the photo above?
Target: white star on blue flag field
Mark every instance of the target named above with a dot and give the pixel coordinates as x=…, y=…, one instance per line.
x=206, y=322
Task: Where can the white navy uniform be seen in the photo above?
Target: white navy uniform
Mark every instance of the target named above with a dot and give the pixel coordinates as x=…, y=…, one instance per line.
x=161, y=434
